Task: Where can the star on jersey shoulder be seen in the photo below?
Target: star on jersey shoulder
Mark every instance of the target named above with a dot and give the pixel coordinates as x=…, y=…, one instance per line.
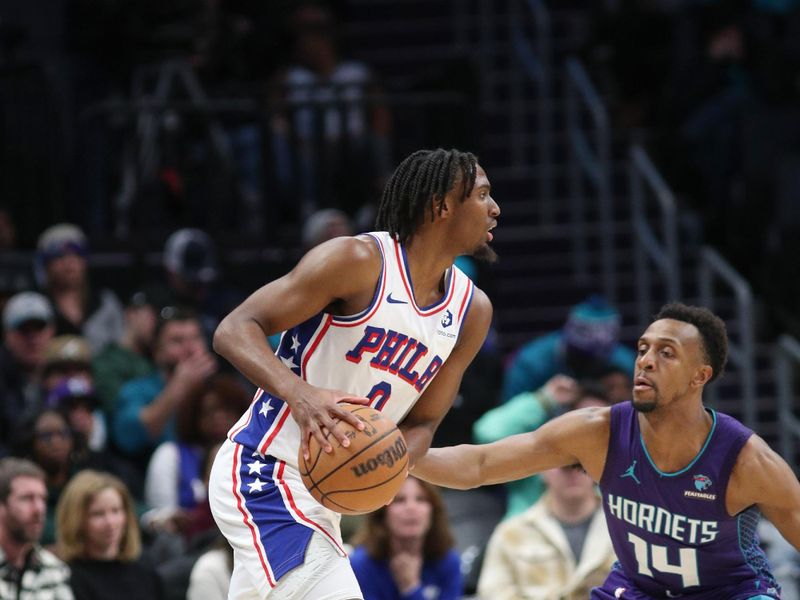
x=256, y=486
x=295, y=343
x=266, y=407
x=289, y=362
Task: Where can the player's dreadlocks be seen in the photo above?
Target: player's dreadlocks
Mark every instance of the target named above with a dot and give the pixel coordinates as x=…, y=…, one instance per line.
x=419, y=184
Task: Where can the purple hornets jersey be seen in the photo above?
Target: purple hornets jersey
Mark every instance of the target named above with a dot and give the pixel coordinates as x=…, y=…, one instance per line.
x=389, y=353
x=671, y=531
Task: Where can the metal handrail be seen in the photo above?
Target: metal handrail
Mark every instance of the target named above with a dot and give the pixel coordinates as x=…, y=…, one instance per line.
x=663, y=251
x=593, y=161
x=534, y=56
x=787, y=360
x=741, y=352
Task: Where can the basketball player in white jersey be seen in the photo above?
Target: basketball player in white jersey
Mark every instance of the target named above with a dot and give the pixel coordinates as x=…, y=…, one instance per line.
x=383, y=319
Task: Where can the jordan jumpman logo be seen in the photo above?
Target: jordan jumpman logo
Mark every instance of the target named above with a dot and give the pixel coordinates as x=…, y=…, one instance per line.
x=631, y=474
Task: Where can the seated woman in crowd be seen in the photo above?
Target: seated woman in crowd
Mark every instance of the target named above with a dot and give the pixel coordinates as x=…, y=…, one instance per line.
x=405, y=549
x=99, y=538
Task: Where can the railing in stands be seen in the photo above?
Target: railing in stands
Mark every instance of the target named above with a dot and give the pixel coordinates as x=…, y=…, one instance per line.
x=533, y=52
x=787, y=363
x=654, y=238
x=592, y=164
x=741, y=336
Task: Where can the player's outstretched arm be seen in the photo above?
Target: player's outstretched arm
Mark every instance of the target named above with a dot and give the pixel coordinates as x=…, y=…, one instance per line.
x=420, y=424
x=338, y=274
x=763, y=478
x=578, y=437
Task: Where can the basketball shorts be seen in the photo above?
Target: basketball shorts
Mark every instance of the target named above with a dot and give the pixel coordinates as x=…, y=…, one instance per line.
x=263, y=509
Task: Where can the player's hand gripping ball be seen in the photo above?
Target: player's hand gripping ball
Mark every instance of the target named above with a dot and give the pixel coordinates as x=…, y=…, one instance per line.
x=364, y=476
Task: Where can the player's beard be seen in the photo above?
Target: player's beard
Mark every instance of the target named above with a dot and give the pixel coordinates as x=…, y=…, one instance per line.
x=485, y=254
x=644, y=406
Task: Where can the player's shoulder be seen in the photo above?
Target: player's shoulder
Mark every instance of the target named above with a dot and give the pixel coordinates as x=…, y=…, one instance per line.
x=349, y=252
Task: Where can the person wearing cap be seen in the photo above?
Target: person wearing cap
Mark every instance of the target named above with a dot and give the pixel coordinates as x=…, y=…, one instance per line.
x=585, y=348
x=77, y=399
x=192, y=272
x=130, y=357
x=66, y=356
x=61, y=269
x=27, y=329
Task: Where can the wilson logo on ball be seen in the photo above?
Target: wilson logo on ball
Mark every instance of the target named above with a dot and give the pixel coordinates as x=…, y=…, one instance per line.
x=386, y=458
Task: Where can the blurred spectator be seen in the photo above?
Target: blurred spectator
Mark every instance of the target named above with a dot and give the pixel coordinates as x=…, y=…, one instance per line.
x=340, y=132
x=26, y=569
x=783, y=558
x=99, y=538
x=405, y=549
x=585, y=348
x=146, y=407
x=77, y=399
x=62, y=271
x=66, y=356
x=558, y=548
x=192, y=269
x=175, y=478
x=528, y=412
x=129, y=358
x=211, y=574
x=324, y=225
x=27, y=329
x=47, y=439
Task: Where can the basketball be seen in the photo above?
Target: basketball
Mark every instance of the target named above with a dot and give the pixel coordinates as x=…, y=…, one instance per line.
x=364, y=476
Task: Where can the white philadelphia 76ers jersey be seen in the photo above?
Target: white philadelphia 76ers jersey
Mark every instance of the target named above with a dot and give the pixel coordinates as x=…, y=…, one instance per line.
x=389, y=353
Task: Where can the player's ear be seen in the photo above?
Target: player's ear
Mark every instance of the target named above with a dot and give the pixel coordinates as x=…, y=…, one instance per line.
x=702, y=376
x=443, y=208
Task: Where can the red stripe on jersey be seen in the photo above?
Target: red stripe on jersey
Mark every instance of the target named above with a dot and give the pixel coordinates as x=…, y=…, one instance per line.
x=464, y=301
x=298, y=512
x=233, y=433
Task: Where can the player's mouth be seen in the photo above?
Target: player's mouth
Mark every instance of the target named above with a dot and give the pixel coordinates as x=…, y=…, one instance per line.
x=489, y=234
x=642, y=383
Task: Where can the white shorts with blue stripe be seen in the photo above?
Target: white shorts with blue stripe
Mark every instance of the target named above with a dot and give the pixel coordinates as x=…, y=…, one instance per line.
x=263, y=509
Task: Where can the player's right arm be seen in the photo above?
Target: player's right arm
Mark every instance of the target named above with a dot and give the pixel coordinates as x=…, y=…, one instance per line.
x=578, y=437
x=338, y=275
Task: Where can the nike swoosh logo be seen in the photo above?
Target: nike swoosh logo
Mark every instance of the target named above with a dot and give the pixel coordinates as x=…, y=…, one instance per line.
x=391, y=300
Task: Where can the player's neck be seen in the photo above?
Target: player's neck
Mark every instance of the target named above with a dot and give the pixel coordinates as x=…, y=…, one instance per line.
x=427, y=265
x=661, y=428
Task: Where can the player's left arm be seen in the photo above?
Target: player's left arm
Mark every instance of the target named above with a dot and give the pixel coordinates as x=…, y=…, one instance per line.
x=763, y=478
x=421, y=422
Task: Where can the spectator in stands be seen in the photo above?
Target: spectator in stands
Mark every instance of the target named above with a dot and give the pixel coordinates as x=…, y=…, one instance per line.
x=146, y=407
x=341, y=156
x=99, y=538
x=77, y=399
x=62, y=271
x=558, y=548
x=192, y=270
x=405, y=549
x=46, y=439
x=27, y=329
x=211, y=575
x=527, y=412
x=26, y=569
x=119, y=362
x=175, y=476
x=66, y=356
x=586, y=347
x=323, y=225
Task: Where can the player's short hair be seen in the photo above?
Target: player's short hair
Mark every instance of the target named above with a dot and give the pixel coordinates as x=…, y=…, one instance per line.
x=712, y=332
x=418, y=186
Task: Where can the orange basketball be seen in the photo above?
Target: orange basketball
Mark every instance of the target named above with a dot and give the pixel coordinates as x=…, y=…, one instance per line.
x=364, y=476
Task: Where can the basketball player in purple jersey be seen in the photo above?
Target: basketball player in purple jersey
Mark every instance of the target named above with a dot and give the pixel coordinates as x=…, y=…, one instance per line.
x=683, y=486
x=383, y=318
